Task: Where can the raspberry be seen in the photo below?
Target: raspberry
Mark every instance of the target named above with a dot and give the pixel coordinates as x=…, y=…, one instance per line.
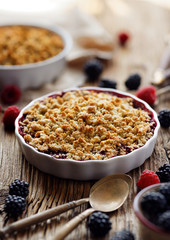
x=164, y=118
x=123, y=37
x=93, y=69
x=19, y=188
x=147, y=178
x=148, y=94
x=10, y=94
x=106, y=83
x=9, y=117
x=14, y=206
x=123, y=235
x=99, y=224
x=164, y=220
x=133, y=81
x=153, y=203
x=164, y=173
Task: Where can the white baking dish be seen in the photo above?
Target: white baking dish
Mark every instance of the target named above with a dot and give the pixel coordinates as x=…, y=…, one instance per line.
x=90, y=169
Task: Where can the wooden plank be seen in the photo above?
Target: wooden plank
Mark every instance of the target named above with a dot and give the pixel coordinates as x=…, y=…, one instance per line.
x=148, y=25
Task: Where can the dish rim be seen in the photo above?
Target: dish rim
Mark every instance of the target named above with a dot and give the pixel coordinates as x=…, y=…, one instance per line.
x=90, y=160
x=66, y=38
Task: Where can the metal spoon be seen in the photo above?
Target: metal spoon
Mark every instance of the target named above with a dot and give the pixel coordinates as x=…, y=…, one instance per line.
x=107, y=196
x=50, y=213
x=162, y=73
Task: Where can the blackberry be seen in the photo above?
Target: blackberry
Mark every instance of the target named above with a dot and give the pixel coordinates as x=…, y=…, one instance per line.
x=93, y=69
x=123, y=235
x=133, y=81
x=164, y=118
x=99, y=224
x=152, y=204
x=14, y=206
x=165, y=190
x=164, y=220
x=19, y=188
x=106, y=83
x=164, y=173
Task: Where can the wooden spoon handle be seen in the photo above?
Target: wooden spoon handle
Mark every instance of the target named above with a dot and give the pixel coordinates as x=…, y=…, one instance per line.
x=42, y=216
x=68, y=227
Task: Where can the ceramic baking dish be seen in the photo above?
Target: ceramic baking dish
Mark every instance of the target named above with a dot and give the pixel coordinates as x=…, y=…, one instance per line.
x=34, y=75
x=89, y=169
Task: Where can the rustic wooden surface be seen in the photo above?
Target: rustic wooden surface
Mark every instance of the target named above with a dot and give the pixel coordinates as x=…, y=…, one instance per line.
x=148, y=25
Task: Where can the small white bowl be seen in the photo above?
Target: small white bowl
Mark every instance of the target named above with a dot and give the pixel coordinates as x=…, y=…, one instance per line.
x=34, y=75
x=90, y=169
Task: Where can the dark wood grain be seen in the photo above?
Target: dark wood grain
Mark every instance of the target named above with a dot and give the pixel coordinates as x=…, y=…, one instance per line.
x=148, y=25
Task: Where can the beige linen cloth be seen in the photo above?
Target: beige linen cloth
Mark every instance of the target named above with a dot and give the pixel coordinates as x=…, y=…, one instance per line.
x=90, y=39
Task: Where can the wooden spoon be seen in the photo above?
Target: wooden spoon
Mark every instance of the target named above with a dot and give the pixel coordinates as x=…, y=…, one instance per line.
x=50, y=213
x=107, y=196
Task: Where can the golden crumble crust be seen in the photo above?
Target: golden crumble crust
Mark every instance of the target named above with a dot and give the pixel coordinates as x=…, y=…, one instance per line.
x=83, y=125
x=27, y=44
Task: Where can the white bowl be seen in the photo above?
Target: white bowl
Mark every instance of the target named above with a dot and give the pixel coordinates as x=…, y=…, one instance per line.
x=90, y=169
x=34, y=75
x=147, y=229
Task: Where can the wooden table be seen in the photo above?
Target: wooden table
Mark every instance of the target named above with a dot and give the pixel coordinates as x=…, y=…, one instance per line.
x=148, y=25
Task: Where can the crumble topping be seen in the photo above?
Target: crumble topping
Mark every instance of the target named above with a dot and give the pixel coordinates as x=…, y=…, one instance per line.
x=27, y=44
x=83, y=125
